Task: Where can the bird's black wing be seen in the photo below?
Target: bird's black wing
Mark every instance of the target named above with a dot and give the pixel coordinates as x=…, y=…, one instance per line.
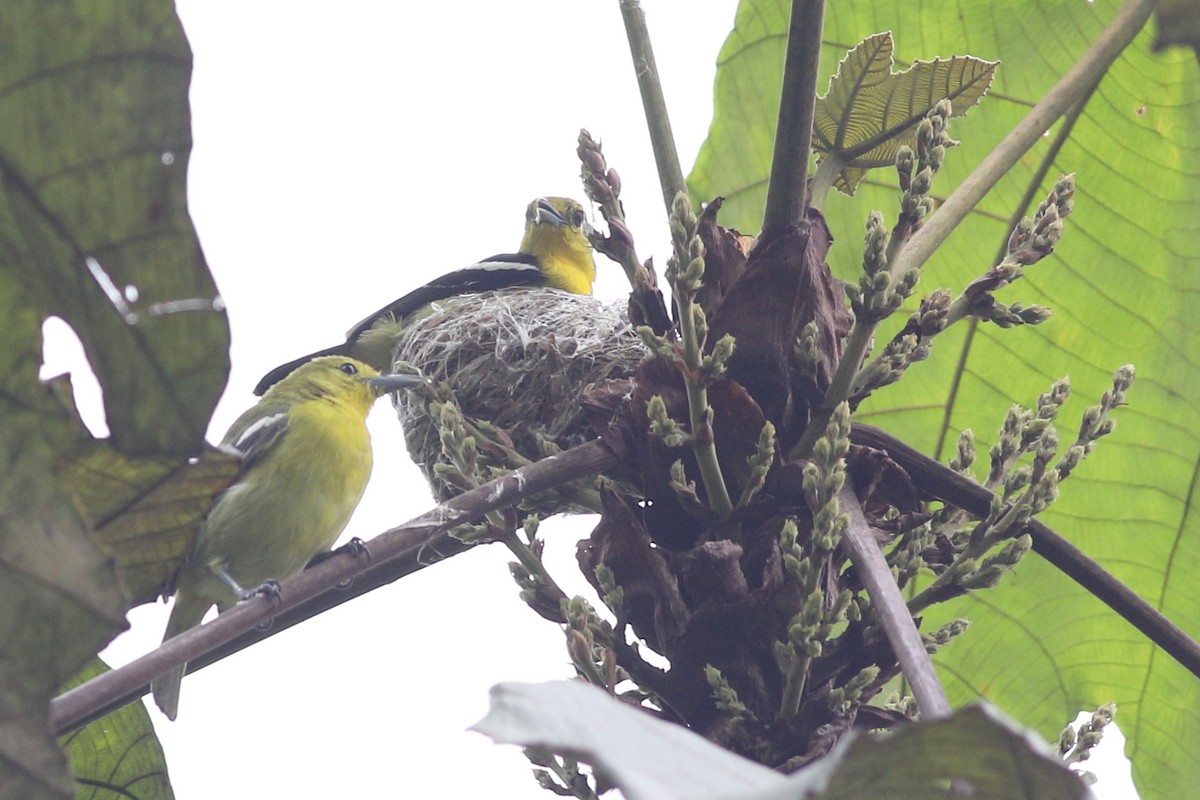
x=498, y=272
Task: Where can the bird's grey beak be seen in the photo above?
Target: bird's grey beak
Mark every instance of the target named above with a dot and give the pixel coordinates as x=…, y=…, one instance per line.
x=541, y=212
x=386, y=384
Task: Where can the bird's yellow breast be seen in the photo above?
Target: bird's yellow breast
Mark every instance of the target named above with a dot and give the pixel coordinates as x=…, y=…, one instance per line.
x=567, y=266
x=295, y=503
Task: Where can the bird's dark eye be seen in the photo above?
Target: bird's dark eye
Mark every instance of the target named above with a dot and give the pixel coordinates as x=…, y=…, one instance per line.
x=578, y=218
x=348, y=368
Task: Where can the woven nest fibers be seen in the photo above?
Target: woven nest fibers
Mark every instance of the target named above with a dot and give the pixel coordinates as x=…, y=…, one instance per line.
x=518, y=359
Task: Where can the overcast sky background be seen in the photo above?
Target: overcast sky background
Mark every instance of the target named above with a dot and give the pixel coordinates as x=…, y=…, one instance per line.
x=345, y=154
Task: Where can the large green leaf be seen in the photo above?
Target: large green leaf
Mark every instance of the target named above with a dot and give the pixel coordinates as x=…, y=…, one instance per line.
x=94, y=145
x=145, y=511
x=61, y=602
x=117, y=757
x=1122, y=283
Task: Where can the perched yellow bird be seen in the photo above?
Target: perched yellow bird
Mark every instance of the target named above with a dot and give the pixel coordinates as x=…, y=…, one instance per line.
x=554, y=252
x=306, y=457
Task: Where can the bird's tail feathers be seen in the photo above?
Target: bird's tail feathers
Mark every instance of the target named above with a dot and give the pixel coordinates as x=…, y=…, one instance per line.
x=185, y=615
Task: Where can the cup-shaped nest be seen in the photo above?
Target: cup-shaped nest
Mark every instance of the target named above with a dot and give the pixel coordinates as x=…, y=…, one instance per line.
x=518, y=359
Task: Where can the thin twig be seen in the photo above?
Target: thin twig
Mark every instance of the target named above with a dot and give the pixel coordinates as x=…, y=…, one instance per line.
x=947, y=485
x=887, y=601
x=793, y=132
x=418, y=543
x=670, y=175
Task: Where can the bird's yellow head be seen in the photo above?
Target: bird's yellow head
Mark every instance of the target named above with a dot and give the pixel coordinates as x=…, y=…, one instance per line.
x=556, y=233
x=338, y=379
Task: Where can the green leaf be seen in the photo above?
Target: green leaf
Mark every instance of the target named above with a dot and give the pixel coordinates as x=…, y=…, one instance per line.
x=976, y=748
x=1122, y=283
x=118, y=756
x=61, y=599
x=146, y=511
x=869, y=111
x=94, y=145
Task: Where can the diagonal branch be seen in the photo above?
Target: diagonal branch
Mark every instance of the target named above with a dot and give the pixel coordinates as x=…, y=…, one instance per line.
x=419, y=543
x=887, y=601
x=1075, y=84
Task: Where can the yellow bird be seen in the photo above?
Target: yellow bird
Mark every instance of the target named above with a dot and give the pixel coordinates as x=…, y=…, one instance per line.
x=554, y=252
x=306, y=457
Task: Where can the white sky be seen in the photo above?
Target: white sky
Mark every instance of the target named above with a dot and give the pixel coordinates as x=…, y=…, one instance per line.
x=344, y=154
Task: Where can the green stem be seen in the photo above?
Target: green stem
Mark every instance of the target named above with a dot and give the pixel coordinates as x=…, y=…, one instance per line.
x=670, y=175
x=703, y=441
x=932, y=593
x=793, y=131
x=793, y=688
x=853, y=352
x=531, y=563
x=823, y=180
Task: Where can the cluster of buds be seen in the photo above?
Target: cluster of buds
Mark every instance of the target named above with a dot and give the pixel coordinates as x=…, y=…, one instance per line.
x=685, y=272
x=587, y=632
x=760, y=464
x=725, y=697
x=602, y=185
x=932, y=140
x=824, y=477
x=685, y=267
x=1096, y=422
x=527, y=581
x=1076, y=746
x=1024, y=431
x=805, y=354
x=611, y=594
x=560, y=774
x=910, y=345
x=879, y=292
x=843, y=698
x=944, y=635
x=1030, y=242
x=1025, y=481
x=906, y=559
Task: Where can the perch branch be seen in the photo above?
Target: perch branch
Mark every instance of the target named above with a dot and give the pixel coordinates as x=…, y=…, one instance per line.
x=419, y=543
